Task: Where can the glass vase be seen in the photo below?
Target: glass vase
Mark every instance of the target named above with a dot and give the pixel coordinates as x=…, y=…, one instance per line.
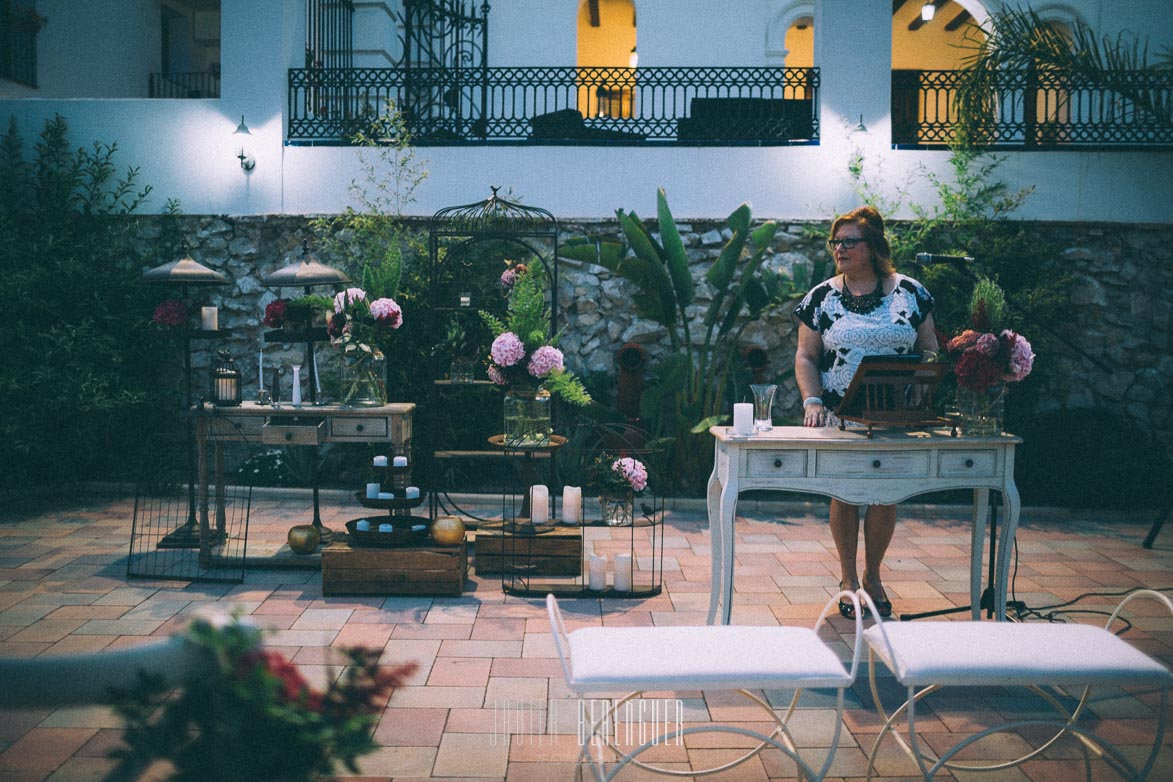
x=363, y=382
x=617, y=511
x=527, y=418
x=981, y=411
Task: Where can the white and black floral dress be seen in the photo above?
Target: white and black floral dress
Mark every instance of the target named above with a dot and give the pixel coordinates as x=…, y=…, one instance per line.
x=849, y=336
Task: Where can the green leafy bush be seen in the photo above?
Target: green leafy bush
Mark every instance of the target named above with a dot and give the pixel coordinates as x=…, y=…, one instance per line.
x=80, y=352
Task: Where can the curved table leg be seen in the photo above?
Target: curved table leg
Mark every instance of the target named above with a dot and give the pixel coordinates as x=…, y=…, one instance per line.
x=981, y=514
x=1013, y=504
x=713, y=510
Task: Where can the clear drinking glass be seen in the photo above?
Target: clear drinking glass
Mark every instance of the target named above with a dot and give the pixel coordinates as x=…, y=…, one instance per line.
x=763, y=406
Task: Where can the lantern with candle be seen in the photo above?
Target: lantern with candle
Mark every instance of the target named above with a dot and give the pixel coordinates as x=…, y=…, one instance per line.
x=226, y=387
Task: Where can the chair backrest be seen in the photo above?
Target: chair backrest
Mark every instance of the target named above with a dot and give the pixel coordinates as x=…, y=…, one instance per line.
x=558, y=630
x=78, y=679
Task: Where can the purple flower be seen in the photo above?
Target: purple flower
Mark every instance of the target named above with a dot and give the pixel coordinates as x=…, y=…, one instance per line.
x=987, y=344
x=507, y=349
x=387, y=313
x=545, y=360
x=345, y=298
x=1022, y=358
x=495, y=375
x=633, y=472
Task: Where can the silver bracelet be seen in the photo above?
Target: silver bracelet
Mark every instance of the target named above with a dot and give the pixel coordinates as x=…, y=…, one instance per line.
x=812, y=400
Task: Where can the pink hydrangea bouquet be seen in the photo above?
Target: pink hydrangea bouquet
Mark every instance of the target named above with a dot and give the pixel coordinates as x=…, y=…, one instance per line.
x=984, y=355
x=522, y=355
x=358, y=326
x=618, y=475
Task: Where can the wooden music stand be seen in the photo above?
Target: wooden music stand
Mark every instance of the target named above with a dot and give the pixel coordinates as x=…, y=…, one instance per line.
x=893, y=391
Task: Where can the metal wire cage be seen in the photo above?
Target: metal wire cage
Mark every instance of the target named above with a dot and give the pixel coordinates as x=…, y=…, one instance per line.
x=165, y=538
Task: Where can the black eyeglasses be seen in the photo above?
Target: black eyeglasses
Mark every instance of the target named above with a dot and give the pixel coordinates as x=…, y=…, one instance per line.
x=848, y=243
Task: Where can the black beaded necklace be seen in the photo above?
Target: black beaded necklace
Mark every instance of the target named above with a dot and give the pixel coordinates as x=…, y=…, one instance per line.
x=864, y=303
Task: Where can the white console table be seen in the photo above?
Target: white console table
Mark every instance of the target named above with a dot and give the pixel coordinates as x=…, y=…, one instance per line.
x=889, y=467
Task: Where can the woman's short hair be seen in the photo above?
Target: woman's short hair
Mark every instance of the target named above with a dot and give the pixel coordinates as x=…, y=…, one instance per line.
x=871, y=226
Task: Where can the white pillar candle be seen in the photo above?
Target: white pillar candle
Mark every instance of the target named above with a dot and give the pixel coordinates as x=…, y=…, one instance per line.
x=572, y=504
x=623, y=573
x=743, y=418
x=380, y=461
x=296, y=398
x=398, y=461
x=539, y=504
x=597, y=578
x=209, y=318
x=412, y=492
x=317, y=377
x=372, y=491
x=261, y=368
x=362, y=525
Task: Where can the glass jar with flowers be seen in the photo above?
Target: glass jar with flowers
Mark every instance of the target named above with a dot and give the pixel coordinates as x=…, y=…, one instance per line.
x=985, y=358
x=251, y=716
x=357, y=327
x=617, y=480
x=525, y=360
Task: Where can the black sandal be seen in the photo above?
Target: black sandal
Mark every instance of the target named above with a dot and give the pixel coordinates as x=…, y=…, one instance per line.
x=883, y=605
x=847, y=608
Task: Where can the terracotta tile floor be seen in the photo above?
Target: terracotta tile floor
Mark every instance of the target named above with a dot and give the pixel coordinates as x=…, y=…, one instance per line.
x=488, y=700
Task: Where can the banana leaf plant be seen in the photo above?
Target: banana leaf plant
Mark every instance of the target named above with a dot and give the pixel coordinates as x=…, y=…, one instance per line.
x=692, y=383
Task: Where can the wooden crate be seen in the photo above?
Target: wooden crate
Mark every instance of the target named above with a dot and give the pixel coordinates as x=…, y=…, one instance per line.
x=410, y=570
x=554, y=553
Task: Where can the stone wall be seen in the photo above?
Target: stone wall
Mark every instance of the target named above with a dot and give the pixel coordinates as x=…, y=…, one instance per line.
x=1116, y=337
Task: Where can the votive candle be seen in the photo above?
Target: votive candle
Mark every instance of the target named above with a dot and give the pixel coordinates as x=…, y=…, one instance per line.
x=571, y=504
x=209, y=318
x=597, y=578
x=372, y=491
x=539, y=504
x=623, y=572
x=743, y=418
x=380, y=461
x=398, y=461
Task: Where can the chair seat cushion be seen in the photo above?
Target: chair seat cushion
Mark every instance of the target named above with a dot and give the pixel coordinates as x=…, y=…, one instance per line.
x=1008, y=653
x=697, y=658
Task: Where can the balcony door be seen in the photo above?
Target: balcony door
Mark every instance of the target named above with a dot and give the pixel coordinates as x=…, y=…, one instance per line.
x=607, y=58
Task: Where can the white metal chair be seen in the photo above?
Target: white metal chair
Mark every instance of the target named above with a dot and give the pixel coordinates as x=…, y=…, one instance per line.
x=927, y=656
x=606, y=660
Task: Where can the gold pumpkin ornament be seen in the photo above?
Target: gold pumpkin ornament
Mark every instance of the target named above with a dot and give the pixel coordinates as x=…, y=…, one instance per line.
x=303, y=538
x=448, y=531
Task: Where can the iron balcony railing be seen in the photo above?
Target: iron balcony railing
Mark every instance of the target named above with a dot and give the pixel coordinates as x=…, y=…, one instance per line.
x=561, y=105
x=1038, y=110
x=198, y=84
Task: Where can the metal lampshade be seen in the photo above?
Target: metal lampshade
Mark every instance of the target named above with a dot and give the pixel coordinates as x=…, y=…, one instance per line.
x=185, y=271
x=307, y=271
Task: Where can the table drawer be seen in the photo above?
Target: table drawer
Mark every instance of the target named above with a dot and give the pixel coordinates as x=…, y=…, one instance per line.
x=288, y=433
x=359, y=428
x=981, y=463
x=871, y=464
x=765, y=464
x=235, y=427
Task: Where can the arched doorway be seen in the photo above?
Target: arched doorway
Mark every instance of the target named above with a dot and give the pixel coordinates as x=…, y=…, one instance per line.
x=607, y=57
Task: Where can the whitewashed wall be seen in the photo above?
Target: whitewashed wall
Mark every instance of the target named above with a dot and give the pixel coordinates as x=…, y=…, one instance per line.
x=186, y=148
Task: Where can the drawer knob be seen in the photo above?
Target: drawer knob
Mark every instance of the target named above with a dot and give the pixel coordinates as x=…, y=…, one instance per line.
x=969, y=462
x=876, y=463
x=289, y=435
x=358, y=428
x=777, y=462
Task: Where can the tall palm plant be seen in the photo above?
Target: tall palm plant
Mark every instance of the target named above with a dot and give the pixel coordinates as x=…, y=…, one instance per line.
x=1018, y=41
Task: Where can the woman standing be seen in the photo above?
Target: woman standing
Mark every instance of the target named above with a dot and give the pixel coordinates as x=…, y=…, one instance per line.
x=865, y=309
